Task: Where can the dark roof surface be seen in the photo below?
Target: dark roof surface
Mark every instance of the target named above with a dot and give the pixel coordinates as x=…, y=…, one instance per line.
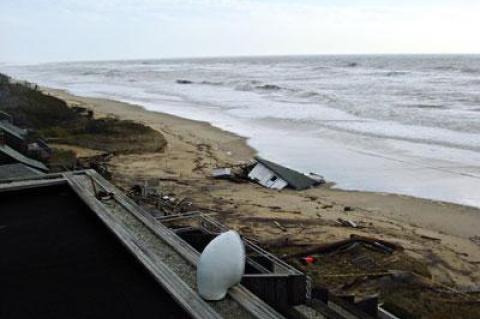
x=293, y=178
x=60, y=261
x=19, y=157
x=11, y=171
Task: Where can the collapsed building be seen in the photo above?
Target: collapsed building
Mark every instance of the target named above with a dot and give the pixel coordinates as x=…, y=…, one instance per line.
x=275, y=176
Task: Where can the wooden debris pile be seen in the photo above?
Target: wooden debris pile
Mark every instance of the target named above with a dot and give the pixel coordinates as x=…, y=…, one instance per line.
x=346, y=244
x=235, y=173
x=146, y=194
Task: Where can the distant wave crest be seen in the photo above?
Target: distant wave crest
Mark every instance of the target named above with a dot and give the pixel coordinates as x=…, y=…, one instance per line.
x=308, y=94
x=215, y=83
x=470, y=71
x=113, y=73
x=445, y=68
x=425, y=106
x=467, y=70
x=88, y=73
x=396, y=73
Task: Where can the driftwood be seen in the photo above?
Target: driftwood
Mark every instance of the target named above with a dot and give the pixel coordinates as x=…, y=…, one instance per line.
x=377, y=244
x=370, y=274
x=276, y=242
x=279, y=226
x=285, y=221
x=347, y=223
x=282, y=241
x=430, y=238
x=214, y=210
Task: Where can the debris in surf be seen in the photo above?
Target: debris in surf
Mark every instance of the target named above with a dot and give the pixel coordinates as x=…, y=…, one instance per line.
x=269, y=87
x=180, y=81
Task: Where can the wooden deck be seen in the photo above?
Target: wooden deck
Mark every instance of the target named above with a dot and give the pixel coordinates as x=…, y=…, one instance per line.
x=172, y=261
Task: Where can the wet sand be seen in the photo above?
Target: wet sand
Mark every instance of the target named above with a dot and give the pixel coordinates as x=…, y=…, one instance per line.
x=435, y=232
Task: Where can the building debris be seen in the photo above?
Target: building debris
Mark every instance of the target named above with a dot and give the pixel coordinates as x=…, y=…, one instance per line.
x=275, y=176
x=181, y=81
x=147, y=193
x=309, y=260
x=9, y=155
x=386, y=246
x=319, y=179
x=20, y=151
x=234, y=173
x=279, y=226
x=364, y=262
x=475, y=239
x=430, y=238
x=377, y=244
x=268, y=174
x=22, y=140
x=347, y=223
x=222, y=173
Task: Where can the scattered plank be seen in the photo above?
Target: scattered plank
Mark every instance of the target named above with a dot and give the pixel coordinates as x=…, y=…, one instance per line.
x=279, y=226
x=321, y=249
x=377, y=242
x=347, y=223
x=430, y=238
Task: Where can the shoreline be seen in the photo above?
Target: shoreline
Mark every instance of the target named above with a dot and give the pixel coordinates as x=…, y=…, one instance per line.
x=195, y=147
x=247, y=151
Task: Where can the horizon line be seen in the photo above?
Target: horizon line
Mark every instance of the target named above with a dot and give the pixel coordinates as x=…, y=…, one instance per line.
x=205, y=57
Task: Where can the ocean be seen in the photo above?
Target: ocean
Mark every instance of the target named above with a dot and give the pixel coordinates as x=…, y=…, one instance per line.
x=406, y=124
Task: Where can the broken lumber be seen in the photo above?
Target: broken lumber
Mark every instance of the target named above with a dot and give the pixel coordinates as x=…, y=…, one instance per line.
x=377, y=242
x=347, y=223
x=430, y=238
x=321, y=249
x=279, y=226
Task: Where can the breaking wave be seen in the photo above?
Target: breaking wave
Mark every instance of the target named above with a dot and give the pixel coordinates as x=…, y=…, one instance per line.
x=256, y=85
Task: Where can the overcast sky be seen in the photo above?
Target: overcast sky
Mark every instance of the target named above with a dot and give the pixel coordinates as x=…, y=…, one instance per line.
x=59, y=30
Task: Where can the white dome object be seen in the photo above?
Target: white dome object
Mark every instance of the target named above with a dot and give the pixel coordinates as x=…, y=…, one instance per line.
x=221, y=266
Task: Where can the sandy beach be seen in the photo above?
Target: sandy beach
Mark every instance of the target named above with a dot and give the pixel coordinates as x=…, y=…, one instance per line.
x=436, y=233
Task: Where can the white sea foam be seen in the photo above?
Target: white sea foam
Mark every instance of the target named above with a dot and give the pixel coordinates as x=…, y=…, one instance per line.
x=403, y=124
